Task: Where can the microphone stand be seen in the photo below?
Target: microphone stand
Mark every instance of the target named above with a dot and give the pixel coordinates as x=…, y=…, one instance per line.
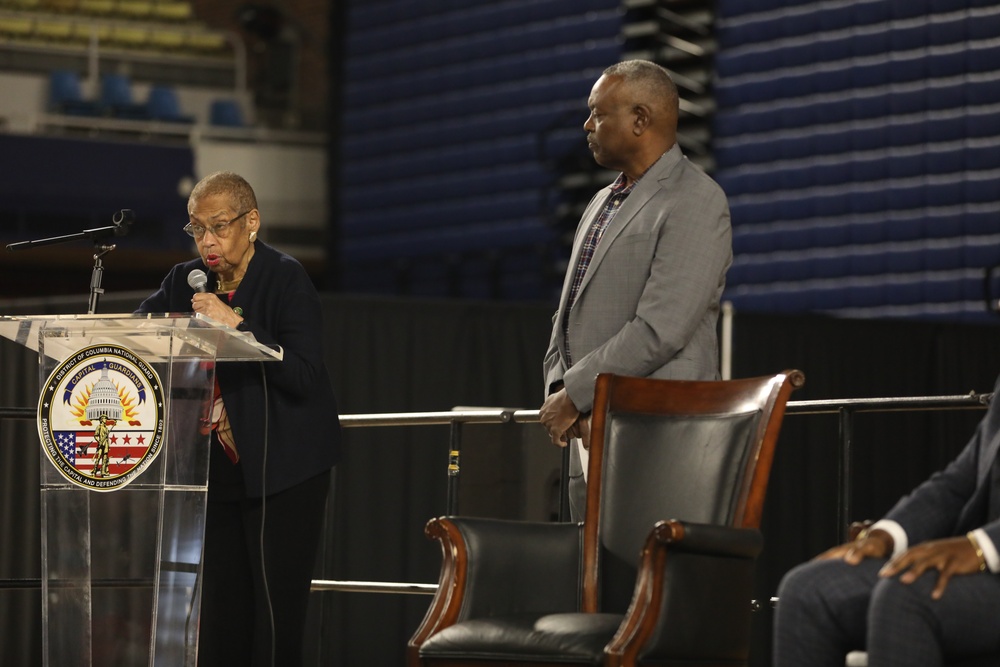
x=119, y=227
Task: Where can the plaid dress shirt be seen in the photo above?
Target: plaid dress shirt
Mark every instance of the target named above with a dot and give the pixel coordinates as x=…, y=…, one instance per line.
x=619, y=191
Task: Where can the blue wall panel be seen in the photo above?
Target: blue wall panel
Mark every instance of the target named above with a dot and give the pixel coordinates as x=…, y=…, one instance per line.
x=453, y=114
x=55, y=186
x=859, y=131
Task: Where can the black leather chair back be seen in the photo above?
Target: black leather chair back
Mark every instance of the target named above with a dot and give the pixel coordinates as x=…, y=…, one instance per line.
x=665, y=467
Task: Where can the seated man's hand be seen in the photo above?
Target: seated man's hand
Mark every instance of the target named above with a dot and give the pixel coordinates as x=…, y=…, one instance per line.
x=951, y=556
x=873, y=544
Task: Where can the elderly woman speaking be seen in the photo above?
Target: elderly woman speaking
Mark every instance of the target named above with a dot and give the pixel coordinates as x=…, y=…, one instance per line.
x=268, y=477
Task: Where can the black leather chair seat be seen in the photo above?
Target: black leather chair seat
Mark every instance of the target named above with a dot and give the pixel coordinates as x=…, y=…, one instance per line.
x=570, y=638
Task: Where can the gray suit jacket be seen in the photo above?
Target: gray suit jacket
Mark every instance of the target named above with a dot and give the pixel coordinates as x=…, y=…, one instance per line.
x=649, y=302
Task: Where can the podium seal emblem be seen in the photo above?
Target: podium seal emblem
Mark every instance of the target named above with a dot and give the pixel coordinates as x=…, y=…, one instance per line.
x=101, y=417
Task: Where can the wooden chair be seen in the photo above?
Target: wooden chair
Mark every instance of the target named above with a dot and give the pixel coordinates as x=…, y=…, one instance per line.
x=660, y=571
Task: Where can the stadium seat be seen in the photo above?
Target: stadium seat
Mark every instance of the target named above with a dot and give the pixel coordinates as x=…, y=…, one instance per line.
x=167, y=39
x=116, y=98
x=59, y=5
x=100, y=8
x=25, y=5
x=86, y=31
x=16, y=27
x=163, y=104
x=66, y=96
x=134, y=10
x=128, y=36
x=208, y=43
x=165, y=10
x=54, y=30
x=225, y=113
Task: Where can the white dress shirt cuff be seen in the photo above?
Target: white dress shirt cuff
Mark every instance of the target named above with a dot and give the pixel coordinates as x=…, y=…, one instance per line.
x=900, y=543
x=989, y=550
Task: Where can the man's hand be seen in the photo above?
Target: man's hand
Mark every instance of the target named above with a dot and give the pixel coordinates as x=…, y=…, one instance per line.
x=580, y=429
x=558, y=415
x=951, y=556
x=874, y=544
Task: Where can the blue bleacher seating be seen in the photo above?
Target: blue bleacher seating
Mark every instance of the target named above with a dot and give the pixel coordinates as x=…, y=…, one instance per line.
x=981, y=252
x=459, y=131
x=870, y=169
x=116, y=98
x=943, y=192
x=162, y=104
x=945, y=128
x=866, y=200
x=946, y=62
x=870, y=45
x=225, y=113
x=899, y=228
x=869, y=103
x=948, y=95
x=66, y=96
x=984, y=25
x=879, y=135
x=865, y=294
x=904, y=291
x=870, y=73
x=945, y=222
x=979, y=189
x=835, y=17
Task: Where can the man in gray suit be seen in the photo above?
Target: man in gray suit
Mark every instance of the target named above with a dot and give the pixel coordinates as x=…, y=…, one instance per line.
x=916, y=587
x=648, y=265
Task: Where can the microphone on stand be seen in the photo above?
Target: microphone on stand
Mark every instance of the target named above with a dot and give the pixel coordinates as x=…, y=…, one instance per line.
x=197, y=280
x=122, y=220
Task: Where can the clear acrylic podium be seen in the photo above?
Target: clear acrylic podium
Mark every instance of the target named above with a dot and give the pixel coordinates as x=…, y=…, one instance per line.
x=121, y=568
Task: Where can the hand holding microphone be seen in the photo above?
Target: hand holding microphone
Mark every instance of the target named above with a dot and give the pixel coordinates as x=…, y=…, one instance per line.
x=208, y=304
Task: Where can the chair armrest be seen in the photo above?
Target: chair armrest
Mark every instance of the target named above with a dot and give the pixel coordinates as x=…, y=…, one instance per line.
x=493, y=566
x=708, y=539
x=692, y=598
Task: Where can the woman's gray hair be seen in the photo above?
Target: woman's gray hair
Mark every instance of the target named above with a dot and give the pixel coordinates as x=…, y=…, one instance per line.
x=229, y=184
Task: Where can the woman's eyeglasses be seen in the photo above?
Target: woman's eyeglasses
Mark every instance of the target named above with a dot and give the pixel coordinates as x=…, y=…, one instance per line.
x=220, y=230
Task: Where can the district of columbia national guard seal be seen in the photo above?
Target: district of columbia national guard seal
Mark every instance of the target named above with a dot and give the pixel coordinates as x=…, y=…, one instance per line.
x=100, y=417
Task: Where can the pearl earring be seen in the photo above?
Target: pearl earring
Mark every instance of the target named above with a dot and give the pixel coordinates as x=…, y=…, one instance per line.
x=253, y=235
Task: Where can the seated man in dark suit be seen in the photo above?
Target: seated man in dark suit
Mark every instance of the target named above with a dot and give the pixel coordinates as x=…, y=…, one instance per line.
x=917, y=586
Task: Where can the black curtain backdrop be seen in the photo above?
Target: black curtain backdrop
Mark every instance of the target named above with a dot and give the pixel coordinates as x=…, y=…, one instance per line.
x=393, y=355
x=892, y=452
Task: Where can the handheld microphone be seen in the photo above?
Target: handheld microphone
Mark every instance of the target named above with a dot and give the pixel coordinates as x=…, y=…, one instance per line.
x=197, y=280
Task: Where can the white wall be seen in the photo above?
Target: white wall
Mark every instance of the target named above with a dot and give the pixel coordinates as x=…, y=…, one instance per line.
x=290, y=183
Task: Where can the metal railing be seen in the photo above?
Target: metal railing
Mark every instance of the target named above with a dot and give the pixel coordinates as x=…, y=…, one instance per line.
x=846, y=409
